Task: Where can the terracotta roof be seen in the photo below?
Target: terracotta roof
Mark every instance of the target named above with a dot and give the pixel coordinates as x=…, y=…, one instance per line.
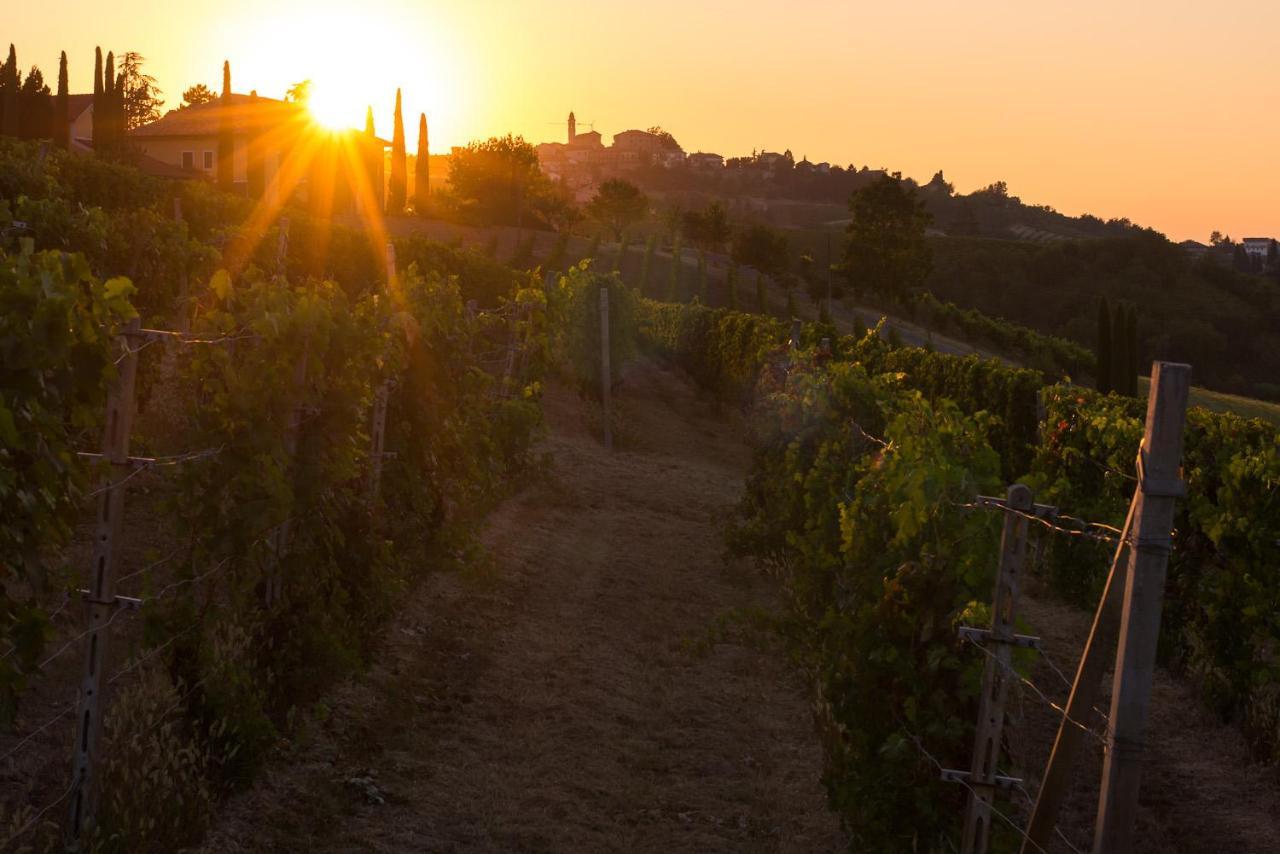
x=151, y=166
x=247, y=116
x=77, y=104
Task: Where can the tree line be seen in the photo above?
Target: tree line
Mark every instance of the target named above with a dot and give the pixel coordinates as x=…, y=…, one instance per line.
x=124, y=97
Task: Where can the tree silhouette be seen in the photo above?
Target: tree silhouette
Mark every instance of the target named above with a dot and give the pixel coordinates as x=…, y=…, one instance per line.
x=1104, y=380
x=139, y=95
x=61, y=121
x=10, y=86
x=396, y=193
x=99, y=100
x=196, y=95
x=617, y=205
x=422, y=168
x=226, y=136
x=886, y=252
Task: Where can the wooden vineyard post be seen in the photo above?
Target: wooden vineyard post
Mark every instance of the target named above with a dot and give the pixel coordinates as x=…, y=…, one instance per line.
x=606, y=372
x=101, y=594
x=282, y=246
x=377, y=438
x=1159, y=486
x=1080, y=703
x=281, y=538
x=378, y=429
x=982, y=778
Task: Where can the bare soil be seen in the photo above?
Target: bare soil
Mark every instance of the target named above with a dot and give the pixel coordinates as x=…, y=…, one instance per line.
x=1201, y=792
x=557, y=699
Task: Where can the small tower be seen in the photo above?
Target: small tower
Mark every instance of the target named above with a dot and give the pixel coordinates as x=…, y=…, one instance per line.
x=573, y=128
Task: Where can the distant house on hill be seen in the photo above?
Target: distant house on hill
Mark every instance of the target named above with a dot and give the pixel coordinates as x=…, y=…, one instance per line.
x=265, y=132
x=705, y=160
x=1258, y=247
x=582, y=161
x=1194, y=249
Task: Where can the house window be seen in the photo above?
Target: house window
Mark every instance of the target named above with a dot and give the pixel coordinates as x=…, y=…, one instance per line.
x=208, y=160
x=188, y=160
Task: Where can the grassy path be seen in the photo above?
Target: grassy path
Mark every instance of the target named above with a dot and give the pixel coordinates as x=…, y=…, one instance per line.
x=551, y=702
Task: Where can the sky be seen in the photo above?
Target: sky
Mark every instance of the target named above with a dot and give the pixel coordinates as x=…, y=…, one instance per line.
x=1167, y=113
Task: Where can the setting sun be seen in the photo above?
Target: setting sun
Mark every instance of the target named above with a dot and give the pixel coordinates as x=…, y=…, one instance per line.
x=333, y=108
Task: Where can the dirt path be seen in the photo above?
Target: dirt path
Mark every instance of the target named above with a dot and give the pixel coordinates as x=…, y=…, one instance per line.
x=552, y=703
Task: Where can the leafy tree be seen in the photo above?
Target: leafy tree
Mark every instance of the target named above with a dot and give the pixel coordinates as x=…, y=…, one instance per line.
x=61, y=122
x=226, y=137
x=139, y=95
x=886, y=252
x=498, y=182
x=299, y=93
x=194, y=96
x=668, y=141
x=762, y=247
x=618, y=205
x=707, y=229
x=399, y=174
x=422, y=168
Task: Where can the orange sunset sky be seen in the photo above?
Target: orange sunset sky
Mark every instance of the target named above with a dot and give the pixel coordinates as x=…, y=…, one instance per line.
x=1167, y=113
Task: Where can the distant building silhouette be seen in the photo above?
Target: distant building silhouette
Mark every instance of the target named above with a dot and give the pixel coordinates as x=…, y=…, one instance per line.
x=583, y=160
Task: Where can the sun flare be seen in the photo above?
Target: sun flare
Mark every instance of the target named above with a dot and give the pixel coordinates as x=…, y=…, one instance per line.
x=334, y=109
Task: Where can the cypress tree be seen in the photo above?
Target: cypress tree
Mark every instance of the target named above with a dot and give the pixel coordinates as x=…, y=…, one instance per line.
x=646, y=265
x=109, y=104
x=11, y=120
x=61, y=121
x=368, y=121
x=792, y=311
x=593, y=249
x=399, y=174
x=99, y=102
x=859, y=331
x=673, y=275
x=1135, y=357
x=256, y=169
x=762, y=294
x=372, y=156
x=422, y=168
x=1119, y=350
x=226, y=137
x=1103, y=350
x=732, y=281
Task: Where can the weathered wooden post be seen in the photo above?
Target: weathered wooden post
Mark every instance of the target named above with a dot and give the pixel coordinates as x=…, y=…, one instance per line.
x=982, y=776
x=101, y=594
x=1159, y=486
x=606, y=373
